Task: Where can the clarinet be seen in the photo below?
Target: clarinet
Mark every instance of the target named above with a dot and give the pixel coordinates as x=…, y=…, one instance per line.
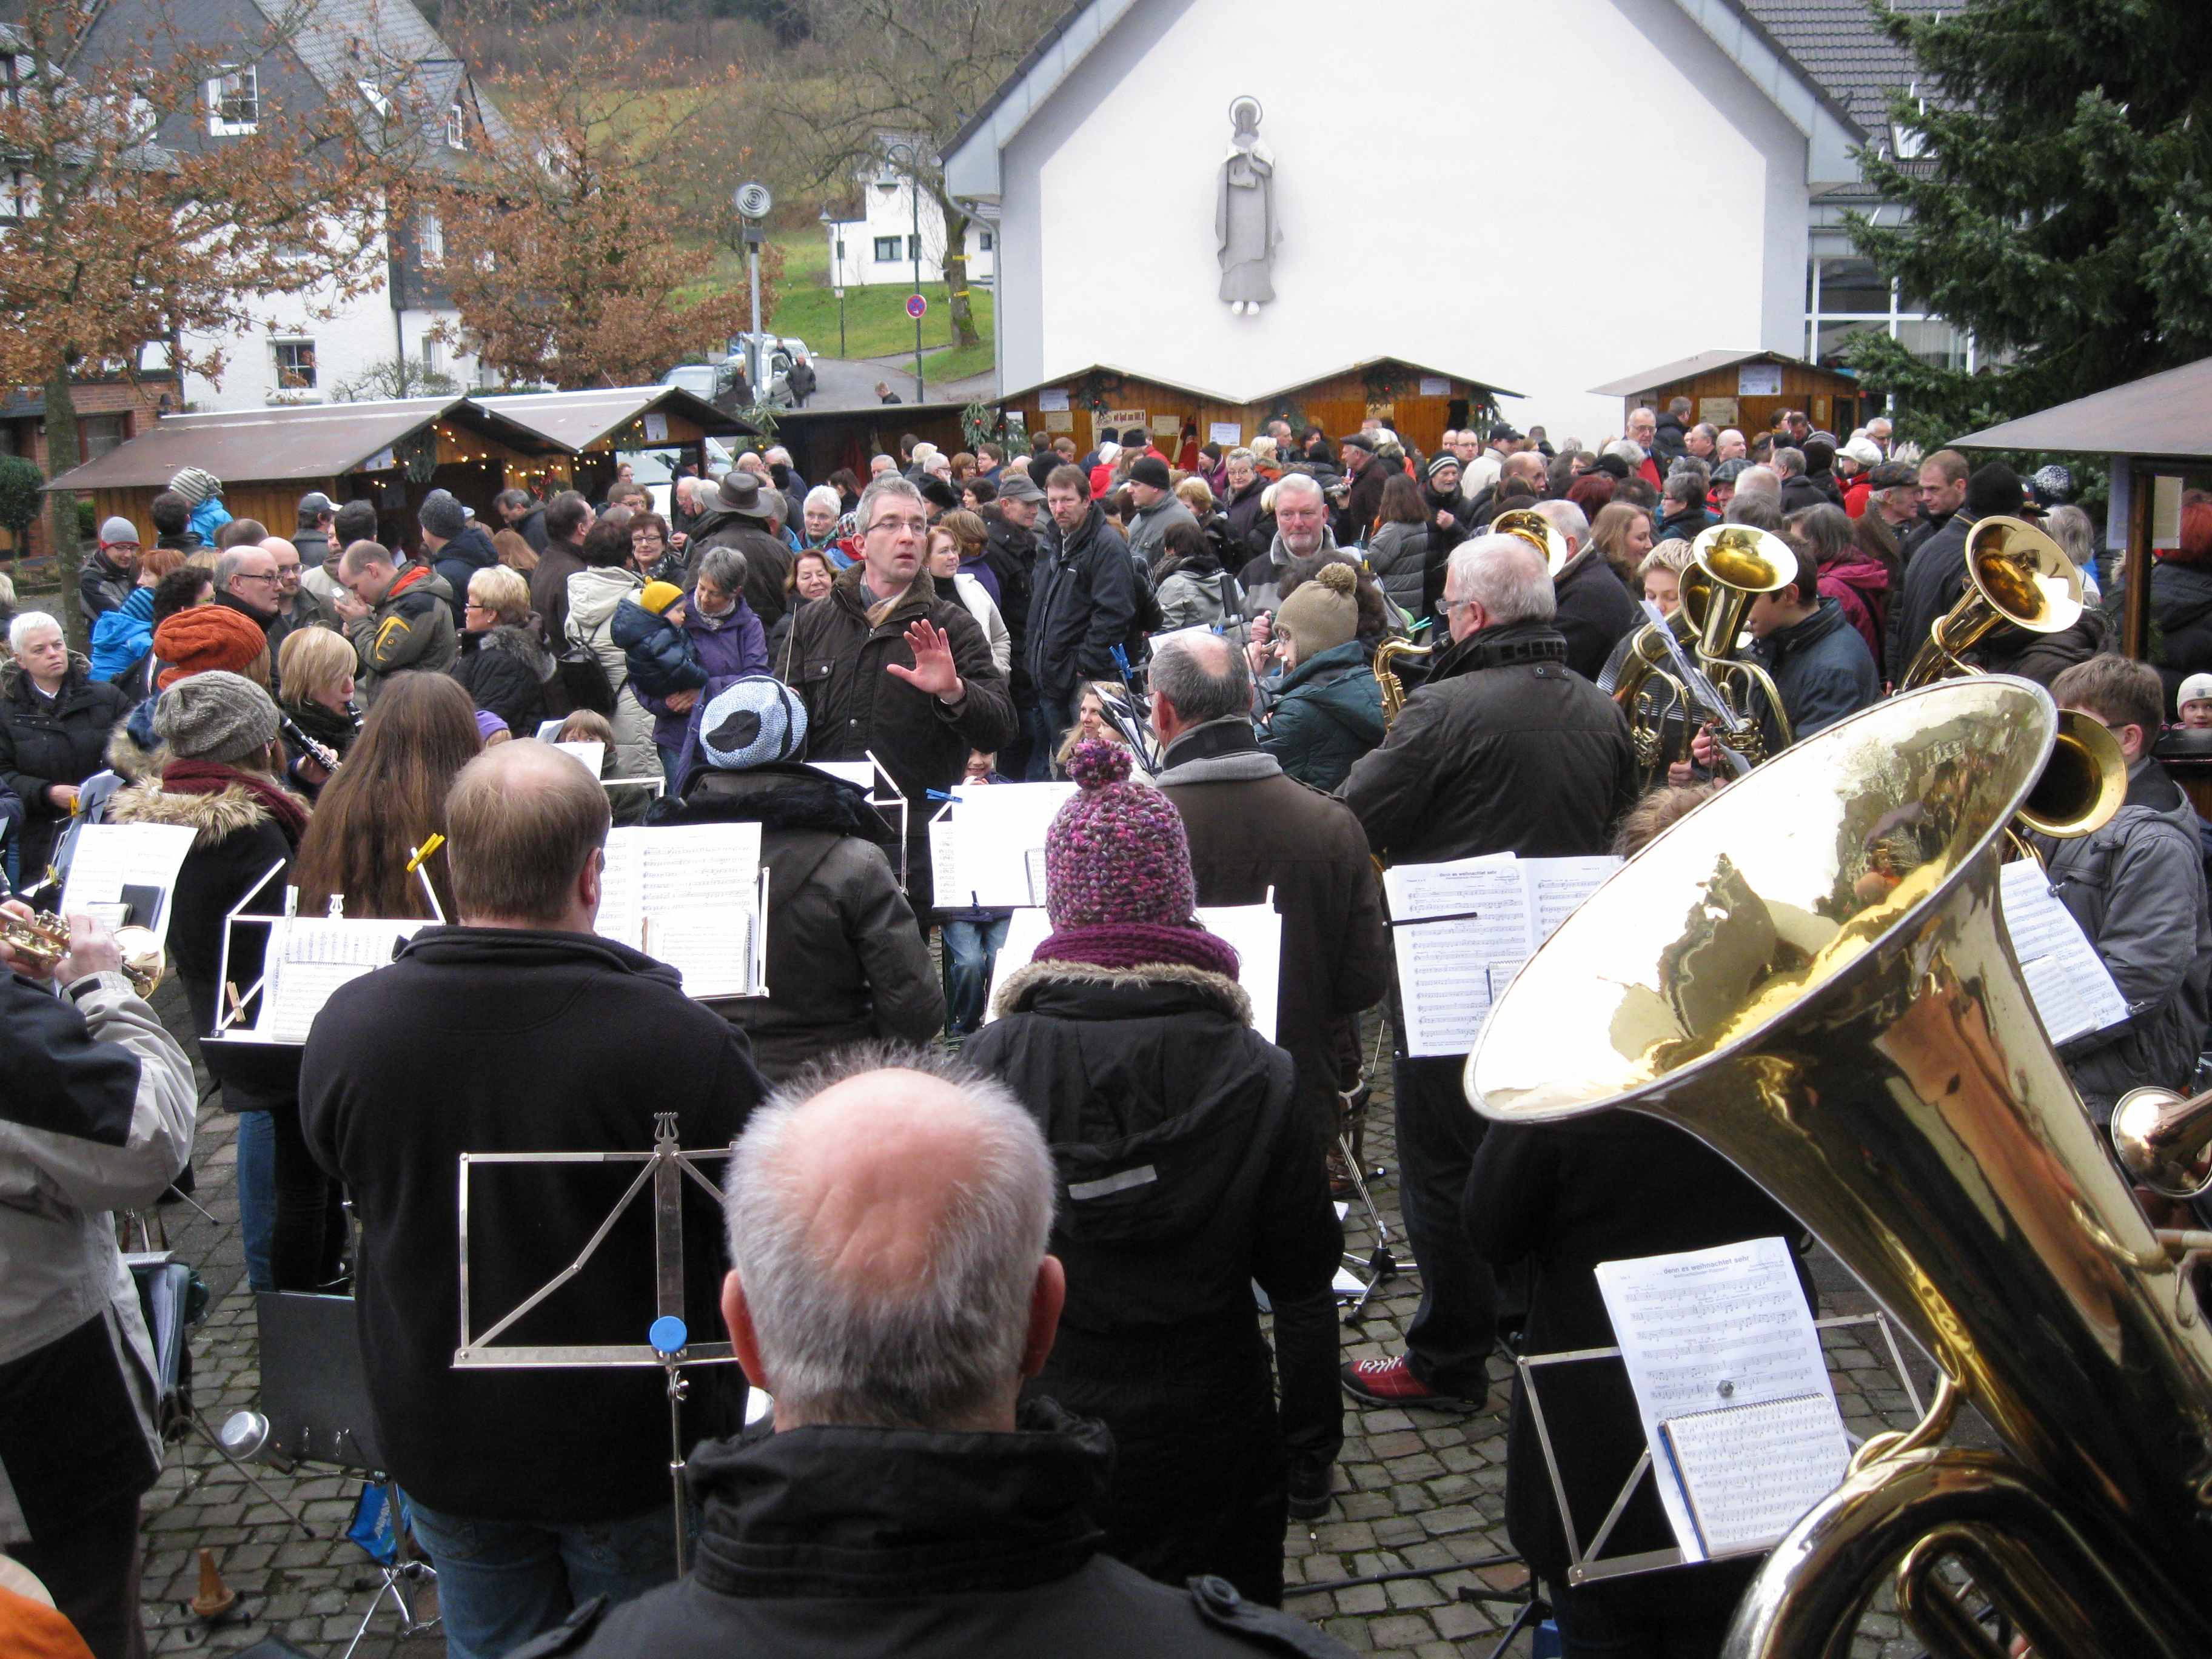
x=321, y=754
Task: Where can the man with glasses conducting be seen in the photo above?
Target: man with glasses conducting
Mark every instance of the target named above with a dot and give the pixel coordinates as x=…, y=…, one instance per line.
x=886, y=667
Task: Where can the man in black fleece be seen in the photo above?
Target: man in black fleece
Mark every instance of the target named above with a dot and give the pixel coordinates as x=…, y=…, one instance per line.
x=521, y=1030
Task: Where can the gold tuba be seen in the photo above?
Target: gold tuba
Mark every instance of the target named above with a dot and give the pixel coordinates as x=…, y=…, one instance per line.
x=1736, y=563
x=2015, y=575
x=1811, y=974
x=1533, y=528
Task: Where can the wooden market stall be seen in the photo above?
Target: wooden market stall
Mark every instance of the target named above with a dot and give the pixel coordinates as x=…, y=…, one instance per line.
x=1418, y=402
x=391, y=452
x=821, y=441
x=1101, y=402
x=1746, y=389
x=597, y=426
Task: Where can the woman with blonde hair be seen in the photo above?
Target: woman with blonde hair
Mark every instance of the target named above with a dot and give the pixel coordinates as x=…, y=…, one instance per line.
x=956, y=565
x=1092, y=725
x=1623, y=534
x=315, y=667
x=504, y=665
x=1197, y=495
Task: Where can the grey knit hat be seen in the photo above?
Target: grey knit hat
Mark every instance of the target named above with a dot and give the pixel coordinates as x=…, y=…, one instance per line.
x=118, y=531
x=196, y=484
x=217, y=716
x=441, y=516
x=755, y=720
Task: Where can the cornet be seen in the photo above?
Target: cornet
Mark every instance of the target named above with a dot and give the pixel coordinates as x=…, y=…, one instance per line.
x=44, y=939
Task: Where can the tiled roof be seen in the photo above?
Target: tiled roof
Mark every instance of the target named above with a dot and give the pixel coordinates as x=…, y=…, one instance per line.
x=1839, y=45
x=342, y=43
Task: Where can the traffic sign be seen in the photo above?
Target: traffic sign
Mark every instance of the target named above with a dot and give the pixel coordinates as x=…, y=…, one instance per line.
x=752, y=200
x=915, y=305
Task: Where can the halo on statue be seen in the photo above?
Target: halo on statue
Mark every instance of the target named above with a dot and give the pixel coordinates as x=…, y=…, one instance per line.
x=1246, y=101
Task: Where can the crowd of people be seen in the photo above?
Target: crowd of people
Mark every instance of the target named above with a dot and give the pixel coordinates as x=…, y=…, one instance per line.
x=1023, y=1398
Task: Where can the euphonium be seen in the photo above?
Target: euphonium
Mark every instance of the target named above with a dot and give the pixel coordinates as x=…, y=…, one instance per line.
x=1660, y=724
x=2015, y=575
x=1533, y=528
x=1811, y=974
x=1394, y=690
x=1736, y=563
x=44, y=940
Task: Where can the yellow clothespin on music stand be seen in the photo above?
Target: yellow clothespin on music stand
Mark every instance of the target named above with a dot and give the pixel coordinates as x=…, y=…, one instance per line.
x=414, y=869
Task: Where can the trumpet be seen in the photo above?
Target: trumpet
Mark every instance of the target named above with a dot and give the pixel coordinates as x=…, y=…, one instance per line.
x=44, y=939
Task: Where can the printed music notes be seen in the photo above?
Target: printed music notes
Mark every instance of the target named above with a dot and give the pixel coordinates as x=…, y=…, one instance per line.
x=1707, y=1334
x=1461, y=930
x=690, y=895
x=306, y=960
x=121, y=873
x=2072, y=989
x=987, y=847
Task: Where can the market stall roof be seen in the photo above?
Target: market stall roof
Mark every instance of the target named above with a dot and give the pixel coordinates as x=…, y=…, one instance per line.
x=317, y=441
x=1198, y=392
x=577, y=419
x=1366, y=363
x=1704, y=363
x=2163, y=415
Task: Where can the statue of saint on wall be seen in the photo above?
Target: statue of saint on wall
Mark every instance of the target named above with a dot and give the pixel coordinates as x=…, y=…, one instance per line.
x=1244, y=214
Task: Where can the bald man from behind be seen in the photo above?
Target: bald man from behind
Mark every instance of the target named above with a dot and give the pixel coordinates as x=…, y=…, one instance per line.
x=887, y=1218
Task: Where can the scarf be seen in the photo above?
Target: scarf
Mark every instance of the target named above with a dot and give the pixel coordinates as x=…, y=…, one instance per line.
x=1133, y=944
x=206, y=777
x=336, y=731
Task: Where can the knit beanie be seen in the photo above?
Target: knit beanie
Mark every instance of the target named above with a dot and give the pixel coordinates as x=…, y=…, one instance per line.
x=2196, y=688
x=1321, y=614
x=441, y=516
x=1439, y=462
x=657, y=596
x=117, y=529
x=215, y=716
x=204, y=638
x=754, y=721
x=489, y=726
x=195, y=485
x=1116, y=853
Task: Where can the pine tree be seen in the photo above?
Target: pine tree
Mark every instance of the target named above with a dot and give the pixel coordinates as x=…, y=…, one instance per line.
x=2060, y=201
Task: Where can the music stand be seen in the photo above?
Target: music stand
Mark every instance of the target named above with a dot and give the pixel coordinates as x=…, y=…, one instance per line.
x=667, y=1343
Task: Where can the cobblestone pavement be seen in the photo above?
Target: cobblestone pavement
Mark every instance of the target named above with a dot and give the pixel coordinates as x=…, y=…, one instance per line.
x=1415, y=1489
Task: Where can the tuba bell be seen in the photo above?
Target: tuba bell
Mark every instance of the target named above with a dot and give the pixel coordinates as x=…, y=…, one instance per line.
x=1811, y=974
x=1533, y=528
x=1735, y=563
x=2016, y=576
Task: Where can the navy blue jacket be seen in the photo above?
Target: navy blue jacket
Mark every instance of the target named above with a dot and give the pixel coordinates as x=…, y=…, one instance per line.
x=461, y=558
x=662, y=657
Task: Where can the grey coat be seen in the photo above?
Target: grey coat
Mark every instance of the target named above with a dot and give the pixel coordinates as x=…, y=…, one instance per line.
x=1148, y=526
x=1398, y=557
x=2137, y=888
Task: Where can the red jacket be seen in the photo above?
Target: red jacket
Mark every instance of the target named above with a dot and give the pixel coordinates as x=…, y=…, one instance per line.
x=1856, y=493
x=1861, y=586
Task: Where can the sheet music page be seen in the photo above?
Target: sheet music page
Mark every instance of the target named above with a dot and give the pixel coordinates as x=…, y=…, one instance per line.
x=994, y=841
x=590, y=754
x=309, y=958
x=860, y=771
x=1704, y=1329
x=687, y=894
x=2068, y=981
x=1752, y=1472
x=1450, y=971
x=549, y=730
x=109, y=857
x=1557, y=888
x=1027, y=928
x=1255, y=931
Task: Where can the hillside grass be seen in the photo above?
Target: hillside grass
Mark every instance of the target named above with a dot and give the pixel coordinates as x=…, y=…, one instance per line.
x=876, y=323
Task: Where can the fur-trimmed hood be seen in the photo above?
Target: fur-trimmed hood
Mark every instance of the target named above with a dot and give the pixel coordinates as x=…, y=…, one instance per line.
x=132, y=760
x=1021, y=987
x=12, y=673
x=216, y=816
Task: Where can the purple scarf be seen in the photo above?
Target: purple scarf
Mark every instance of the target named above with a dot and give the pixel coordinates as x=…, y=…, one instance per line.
x=1134, y=944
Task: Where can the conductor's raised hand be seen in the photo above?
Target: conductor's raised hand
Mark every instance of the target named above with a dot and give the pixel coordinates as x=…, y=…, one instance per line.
x=934, y=671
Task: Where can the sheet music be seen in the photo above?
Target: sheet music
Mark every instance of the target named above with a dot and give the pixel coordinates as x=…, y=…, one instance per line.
x=1255, y=930
x=989, y=848
x=591, y=753
x=687, y=894
x=549, y=730
x=2068, y=981
x=1557, y=888
x=1705, y=1329
x=860, y=771
x=308, y=959
x=1752, y=1472
x=109, y=857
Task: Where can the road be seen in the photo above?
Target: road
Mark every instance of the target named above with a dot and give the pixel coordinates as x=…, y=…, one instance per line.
x=850, y=383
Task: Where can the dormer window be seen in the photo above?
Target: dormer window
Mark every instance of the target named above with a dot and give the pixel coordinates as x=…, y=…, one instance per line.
x=233, y=98
x=456, y=130
x=1906, y=141
x=374, y=94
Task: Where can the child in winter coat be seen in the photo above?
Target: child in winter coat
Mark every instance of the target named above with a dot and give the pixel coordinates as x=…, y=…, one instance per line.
x=123, y=635
x=662, y=656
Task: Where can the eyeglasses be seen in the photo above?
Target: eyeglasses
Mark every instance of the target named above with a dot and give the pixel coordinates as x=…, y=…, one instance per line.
x=255, y=576
x=919, y=526
x=1448, y=606
x=475, y=604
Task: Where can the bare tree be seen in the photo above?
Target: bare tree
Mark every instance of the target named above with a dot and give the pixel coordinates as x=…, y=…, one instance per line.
x=912, y=72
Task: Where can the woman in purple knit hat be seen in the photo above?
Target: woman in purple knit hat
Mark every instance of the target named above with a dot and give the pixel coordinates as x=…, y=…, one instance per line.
x=1186, y=1175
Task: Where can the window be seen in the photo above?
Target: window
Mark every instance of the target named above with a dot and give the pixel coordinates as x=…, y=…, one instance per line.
x=234, y=102
x=887, y=250
x=374, y=94
x=990, y=241
x=97, y=433
x=19, y=196
x=430, y=239
x=456, y=129
x=433, y=355
x=296, y=365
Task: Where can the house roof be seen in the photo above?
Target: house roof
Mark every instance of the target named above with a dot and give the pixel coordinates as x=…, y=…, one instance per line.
x=1704, y=363
x=1835, y=93
x=577, y=419
x=389, y=44
x=1305, y=380
x=2164, y=414
x=320, y=440
x=1198, y=392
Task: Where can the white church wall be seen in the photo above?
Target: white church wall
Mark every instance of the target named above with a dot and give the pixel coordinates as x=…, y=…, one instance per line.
x=1547, y=194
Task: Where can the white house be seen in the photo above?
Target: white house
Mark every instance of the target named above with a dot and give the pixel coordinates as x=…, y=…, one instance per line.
x=881, y=244
x=1550, y=192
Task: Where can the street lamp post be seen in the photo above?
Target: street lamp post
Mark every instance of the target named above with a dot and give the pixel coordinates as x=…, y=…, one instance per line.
x=836, y=273
x=906, y=152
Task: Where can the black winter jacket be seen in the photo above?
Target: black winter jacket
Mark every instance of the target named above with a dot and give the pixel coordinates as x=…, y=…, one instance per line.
x=662, y=657
x=460, y=558
x=483, y=1040
x=43, y=742
x=548, y=589
x=1011, y=553
x=1503, y=749
x=844, y=961
x=1823, y=670
x=1242, y=509
x=838, y=661
x=1934, y=576
x=832, y=1542
x=506, y=671
x=2181, y=609
x=100, y=587
x=1083, y=598
x=767, y=560
x=1187, y=1172
x=1596, y=609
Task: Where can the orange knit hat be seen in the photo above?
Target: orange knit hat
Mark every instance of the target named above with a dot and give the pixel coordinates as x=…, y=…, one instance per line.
x=205, y=637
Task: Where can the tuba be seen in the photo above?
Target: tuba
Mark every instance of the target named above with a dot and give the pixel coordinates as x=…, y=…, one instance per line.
x=1533, y=528
x=1736, y=563
x=1811, y=974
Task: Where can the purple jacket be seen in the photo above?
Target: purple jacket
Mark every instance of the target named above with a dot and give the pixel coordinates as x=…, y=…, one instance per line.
x=737, y=647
